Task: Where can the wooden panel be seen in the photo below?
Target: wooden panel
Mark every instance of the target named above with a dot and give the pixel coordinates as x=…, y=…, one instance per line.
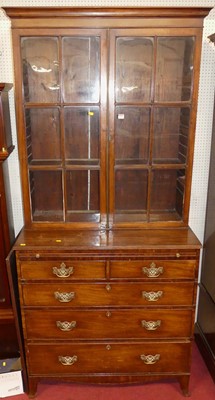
x=108, y=358
x=41, y=12
x=94, y=295
x=148, y=241
x=107, y=324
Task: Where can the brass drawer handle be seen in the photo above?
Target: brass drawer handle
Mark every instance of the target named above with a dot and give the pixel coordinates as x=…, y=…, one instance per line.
x=66, y=326
x=67, y=360
x=151, y=325
x=62, y=271
x=152, y=271
x=152, y=296
x=150, y=359
x=64, y=297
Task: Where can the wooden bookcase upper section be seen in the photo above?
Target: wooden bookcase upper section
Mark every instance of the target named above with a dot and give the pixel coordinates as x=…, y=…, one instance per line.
x=106, y=102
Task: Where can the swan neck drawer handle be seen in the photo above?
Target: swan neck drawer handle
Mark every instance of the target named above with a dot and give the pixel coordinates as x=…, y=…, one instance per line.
x=150, y=359
x=67, y=360
x=151, y=325
x=66, y=326
x=64, y=297
x=152, y=296
x=63, y=271
x=152, y=271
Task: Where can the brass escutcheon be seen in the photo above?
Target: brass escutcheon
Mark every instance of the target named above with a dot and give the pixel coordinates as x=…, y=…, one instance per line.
x=108, y=314
x=108, y=288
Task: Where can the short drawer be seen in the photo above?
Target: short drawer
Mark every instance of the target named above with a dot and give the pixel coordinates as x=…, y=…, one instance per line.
x=156, y=269
x=141, y=358
x=114, y=294
x=68, y=270
x=107, y=324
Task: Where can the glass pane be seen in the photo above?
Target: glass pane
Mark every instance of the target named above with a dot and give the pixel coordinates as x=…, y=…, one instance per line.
x=43, y=135
x=130, y=194
x=81, y=69
x=171, y=132
x=134, y=59
x=174, y=68
x=82, y=135
x=46, y=195
x=167, y=195
x=40, y=65
x=82, y=191
x=132, y=135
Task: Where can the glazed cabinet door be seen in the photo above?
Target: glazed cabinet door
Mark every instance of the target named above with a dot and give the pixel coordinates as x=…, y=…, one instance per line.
x=108, y=125
x=64, y=84
x=151, y=92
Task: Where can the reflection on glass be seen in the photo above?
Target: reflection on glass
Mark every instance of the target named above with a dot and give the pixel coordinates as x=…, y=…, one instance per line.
x=132, y=135
x=130, y=190
x=82, y=189
x=167, y=194
x=40, y=66
x=81, y=69
x=134, y=59
x=174, y=68
x=171, y=130
x=42, y=135
x=82, y=135
x=46, y=195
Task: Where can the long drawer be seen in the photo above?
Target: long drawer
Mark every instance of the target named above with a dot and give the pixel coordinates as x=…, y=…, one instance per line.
x=68, y=359
x=115, y=294
x=106, y=324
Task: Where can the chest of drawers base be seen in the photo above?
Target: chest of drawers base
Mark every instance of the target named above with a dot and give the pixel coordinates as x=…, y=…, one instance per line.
x=111, y=380
x=108, y=315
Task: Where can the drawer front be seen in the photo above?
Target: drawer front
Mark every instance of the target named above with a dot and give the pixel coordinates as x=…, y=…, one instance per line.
x=45, y=359
x=106, y=324
x=115, y=294
x=153, y=270
x=68, y=270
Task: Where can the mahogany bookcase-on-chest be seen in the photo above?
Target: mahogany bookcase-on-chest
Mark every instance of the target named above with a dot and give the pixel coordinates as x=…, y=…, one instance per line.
x=107, y=266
